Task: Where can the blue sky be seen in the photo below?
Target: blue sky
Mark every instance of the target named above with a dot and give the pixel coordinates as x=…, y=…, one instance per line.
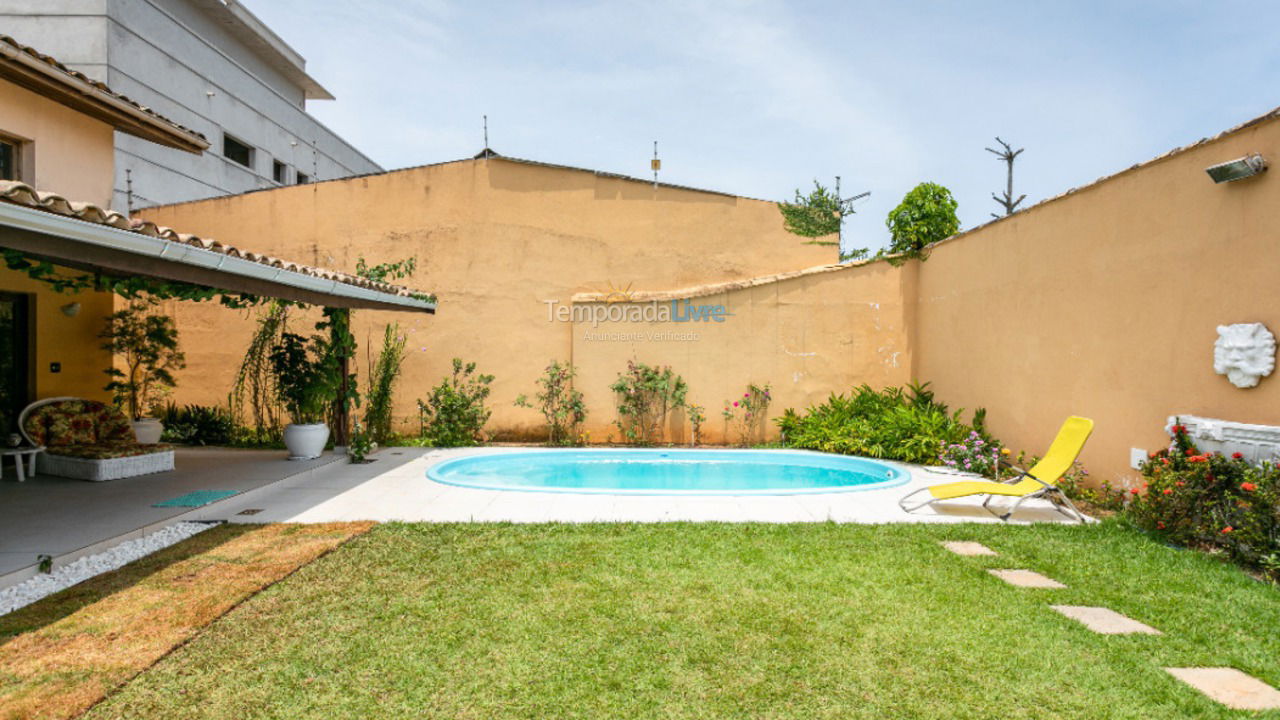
x=759, y=98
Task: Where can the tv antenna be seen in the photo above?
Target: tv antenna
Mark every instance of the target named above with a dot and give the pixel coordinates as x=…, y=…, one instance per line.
x=655, y=164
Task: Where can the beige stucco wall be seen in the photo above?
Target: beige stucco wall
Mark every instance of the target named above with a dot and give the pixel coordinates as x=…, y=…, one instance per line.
x=805, y=337
x=494, y=239
x=1105, y=303
x=72, y=155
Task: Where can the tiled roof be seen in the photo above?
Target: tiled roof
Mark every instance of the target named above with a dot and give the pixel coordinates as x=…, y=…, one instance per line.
x=10, y=45
x=22, y=194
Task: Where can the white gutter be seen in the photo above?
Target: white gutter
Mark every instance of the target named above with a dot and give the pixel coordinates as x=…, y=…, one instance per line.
x=40, y=221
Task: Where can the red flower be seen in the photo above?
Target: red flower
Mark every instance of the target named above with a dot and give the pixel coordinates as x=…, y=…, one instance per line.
x=1151, y=455
x=1166, y=461
x=1191, y=451
x=1160, y=524
x=1227, y=529
x=1248, y=486
x=1134, y=491
x=1237, y=456
x=1180, y=483
x=1168, y=491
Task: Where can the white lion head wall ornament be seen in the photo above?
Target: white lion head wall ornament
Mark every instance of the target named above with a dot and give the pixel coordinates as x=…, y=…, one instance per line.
x=1245, y=353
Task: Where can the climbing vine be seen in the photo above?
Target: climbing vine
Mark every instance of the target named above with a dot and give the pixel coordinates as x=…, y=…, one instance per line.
x=131, y=288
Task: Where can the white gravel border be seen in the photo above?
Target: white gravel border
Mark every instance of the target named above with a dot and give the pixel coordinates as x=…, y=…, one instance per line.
x=113, y=558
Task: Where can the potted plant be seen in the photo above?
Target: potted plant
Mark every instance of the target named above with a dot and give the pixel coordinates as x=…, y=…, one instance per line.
x=148, y=345
x=307, y=378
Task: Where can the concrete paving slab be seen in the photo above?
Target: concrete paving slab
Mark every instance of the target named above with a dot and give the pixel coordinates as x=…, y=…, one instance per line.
x=968, y=548
x=1105, y=620
x=1027, y=579
x=1230, y=687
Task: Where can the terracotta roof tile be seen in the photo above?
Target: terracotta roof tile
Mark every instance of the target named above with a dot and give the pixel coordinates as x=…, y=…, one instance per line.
x=18, y=193
x=97, y=85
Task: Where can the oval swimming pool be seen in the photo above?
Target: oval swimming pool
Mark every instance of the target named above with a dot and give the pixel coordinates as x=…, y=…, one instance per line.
x=667, y=472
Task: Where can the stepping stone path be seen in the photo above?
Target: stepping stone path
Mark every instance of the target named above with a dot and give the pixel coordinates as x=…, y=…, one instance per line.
x=964, y=547
x=1225, y=685
x=1105, y=620
x=1027, y=579
x=1230, y=687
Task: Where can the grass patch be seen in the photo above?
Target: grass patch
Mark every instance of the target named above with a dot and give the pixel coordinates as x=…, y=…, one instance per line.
x=63, y=654
x=718, y=620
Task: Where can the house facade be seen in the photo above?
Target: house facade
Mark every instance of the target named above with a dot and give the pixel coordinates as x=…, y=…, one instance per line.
x=207, y=64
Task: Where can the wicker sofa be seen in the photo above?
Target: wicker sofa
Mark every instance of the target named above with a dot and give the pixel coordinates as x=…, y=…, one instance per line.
x=88, y=440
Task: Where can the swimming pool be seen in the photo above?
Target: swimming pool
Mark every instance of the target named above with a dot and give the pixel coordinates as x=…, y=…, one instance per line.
x=667, y=472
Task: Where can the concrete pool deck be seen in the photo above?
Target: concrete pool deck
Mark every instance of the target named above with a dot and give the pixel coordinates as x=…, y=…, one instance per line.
x=395, y=488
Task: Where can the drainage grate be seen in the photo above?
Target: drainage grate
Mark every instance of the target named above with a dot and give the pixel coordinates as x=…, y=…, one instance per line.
x=250, y=511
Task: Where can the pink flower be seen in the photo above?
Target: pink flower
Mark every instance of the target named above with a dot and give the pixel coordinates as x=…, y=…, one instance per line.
x=735, y=403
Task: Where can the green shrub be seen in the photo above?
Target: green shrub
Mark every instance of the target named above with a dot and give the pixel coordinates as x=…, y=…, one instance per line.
x=926, y=215
x=383, y=375
x=306, y=375
x=197, y=425
x=454, y=414
x=1211, y=501
x=645, y=394
x=904, y=424
x=561, y=405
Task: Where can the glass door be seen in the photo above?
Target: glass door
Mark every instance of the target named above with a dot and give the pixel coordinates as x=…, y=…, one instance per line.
x=15, y=359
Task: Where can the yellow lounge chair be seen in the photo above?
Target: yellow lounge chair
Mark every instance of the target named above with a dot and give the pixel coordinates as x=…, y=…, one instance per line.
x=1038, y=482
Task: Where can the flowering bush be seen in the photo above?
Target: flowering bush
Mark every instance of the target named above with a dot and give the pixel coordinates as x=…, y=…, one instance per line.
x=645, y=394
x=747, y=414
x=1212, y=501
x=972, y=454
x=697, y=416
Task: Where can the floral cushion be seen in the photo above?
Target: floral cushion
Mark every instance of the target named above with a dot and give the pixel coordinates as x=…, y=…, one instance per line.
x=78, y=422
x=108, y=451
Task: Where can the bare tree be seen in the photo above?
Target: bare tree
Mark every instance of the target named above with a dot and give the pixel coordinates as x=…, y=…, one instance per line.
x=1007, y=155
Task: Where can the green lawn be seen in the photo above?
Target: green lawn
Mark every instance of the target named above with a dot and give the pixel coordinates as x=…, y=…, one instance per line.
x=718, y=620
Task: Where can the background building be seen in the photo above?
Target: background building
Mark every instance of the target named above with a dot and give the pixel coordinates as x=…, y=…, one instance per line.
x=207, y=64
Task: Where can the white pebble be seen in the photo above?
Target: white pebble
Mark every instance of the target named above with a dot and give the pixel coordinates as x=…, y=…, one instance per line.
x=25, y=593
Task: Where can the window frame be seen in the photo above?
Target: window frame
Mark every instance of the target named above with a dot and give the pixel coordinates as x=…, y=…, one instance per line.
x=251, y=151
x=23, y=160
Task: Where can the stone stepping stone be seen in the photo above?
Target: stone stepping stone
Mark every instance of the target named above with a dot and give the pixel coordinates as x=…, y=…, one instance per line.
x=965, y=547
x=1230, y=687
x=1027, y=579
x=1105, y=620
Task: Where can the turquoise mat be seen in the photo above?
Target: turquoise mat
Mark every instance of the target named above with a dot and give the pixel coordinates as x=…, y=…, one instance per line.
x=197, y=498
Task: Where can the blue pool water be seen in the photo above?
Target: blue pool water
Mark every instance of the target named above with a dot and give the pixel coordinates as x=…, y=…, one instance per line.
x=667, y=472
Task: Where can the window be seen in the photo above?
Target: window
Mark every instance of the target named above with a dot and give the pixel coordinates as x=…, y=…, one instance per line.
x=236, y=151
x=303, y=178
x=279, y=171
x=9, y=156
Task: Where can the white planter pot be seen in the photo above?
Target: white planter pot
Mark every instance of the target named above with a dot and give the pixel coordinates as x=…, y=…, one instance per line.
x=148, y=431
x=305, y=441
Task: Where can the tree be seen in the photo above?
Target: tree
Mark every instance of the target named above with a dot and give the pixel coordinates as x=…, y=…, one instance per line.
x=149, y=346
x=820, y=214
x=926, y=215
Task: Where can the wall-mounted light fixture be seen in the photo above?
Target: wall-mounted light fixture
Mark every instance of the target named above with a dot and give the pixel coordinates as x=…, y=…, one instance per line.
x=71, y=309
x=1237, y=169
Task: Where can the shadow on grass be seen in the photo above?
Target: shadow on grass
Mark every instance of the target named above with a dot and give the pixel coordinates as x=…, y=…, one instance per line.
x=61, y=604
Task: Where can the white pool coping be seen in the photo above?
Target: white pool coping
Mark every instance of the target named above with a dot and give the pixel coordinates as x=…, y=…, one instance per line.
x=396, y=488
